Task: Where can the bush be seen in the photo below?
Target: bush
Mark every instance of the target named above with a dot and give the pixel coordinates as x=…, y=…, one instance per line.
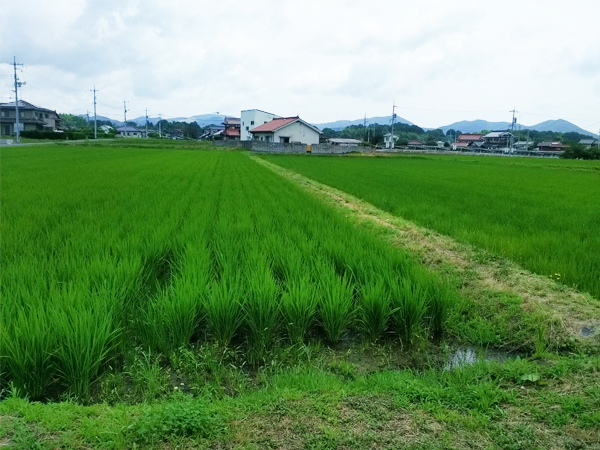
x=579, y=151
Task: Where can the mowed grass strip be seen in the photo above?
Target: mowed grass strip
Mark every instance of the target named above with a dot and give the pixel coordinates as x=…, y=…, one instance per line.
x=107, y=250
x=543, y=214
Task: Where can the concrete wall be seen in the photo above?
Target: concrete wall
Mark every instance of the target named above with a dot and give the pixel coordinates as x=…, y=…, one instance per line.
x=253, y=115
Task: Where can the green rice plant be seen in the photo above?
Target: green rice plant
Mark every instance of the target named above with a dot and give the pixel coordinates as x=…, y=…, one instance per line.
x=224, y=308
x=336, y=308
x=409, y=309
x=299, y=304
x=26, y=348
x=85, y=335
x=374, y=309
x=439, y=300
x=261, y=310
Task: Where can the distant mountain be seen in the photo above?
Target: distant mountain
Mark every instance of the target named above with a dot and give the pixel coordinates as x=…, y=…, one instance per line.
x=202, y=120
x=341, y=124
x=560, y=126
x=475, y=126
x=115, y=123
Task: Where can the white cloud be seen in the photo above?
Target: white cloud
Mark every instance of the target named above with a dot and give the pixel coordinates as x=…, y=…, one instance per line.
x=325, y=60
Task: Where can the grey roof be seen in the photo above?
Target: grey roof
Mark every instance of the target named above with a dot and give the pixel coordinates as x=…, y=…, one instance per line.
x=24, y=105
x=588, y=141
x=497, y=134
x=128, y=129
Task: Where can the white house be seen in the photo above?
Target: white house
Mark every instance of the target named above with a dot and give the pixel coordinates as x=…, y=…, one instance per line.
x=252, y=118
x=344, y=142
x=130, y=132
x=287, y=130
x=389, y=140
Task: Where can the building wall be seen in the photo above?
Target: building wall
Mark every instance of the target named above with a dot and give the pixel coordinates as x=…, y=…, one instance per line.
x=297, y=132
x=253, y=115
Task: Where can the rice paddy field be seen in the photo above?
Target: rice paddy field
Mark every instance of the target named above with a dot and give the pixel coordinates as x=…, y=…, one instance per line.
x=164, y=294
x=543, y=214
x=116, y=249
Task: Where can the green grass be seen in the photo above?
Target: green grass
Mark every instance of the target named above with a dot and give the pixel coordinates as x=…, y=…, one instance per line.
x=486, y=405
x=543, y=214
x=106, y=249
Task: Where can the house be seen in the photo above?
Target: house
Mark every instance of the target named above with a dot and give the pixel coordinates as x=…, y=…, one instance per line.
x=459, y=145
x=287, y=130
x=344, y=142
x=105, y=128
x=498, y=139
x=522, y=145
x=31, y=118
x=130, y=132
x=252, y=118
x=232, y=128
x=213, y=131
x=551, y=147
x=389, y=141
x=415, y=143
x=470, y=138
x=589, y=142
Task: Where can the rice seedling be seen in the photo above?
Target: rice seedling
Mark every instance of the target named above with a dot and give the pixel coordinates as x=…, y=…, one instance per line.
x=337, y=304
x=86, y=337
x=299, y=304
x=261, y=309
x=26, y=349
x=224, y=306
x=374, y=309
x=408, y=302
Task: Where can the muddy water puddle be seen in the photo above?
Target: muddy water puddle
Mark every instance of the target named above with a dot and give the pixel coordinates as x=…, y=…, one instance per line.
x=466, y=356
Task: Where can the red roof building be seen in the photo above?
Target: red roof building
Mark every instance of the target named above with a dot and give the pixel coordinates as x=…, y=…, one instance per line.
x=232, y=128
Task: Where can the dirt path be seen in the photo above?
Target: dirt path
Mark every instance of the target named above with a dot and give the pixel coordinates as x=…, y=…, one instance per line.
x=569, y=314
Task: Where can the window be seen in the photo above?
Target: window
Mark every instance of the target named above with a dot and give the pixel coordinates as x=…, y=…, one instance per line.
x=247, y=128
x=46, y=115
x=5, y=114
x=21, y=114
x=252, y=122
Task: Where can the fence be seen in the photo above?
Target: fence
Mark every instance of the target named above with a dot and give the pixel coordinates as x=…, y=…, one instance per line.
x=276, y=147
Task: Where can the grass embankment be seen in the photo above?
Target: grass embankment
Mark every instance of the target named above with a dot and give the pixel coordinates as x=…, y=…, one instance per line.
x=542, y=214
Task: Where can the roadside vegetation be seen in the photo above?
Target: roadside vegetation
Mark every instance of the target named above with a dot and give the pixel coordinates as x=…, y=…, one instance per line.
x=164, y=295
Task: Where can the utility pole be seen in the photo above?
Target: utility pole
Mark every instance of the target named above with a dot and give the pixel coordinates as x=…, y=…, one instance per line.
x=18, y=84
x=393, y=120
x=512, y=128
x=146, y=123
x=95, y=128
x=159, y=121
x=125, y=112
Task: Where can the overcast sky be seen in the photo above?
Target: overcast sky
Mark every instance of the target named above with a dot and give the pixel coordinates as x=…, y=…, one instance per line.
x=440, y=60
